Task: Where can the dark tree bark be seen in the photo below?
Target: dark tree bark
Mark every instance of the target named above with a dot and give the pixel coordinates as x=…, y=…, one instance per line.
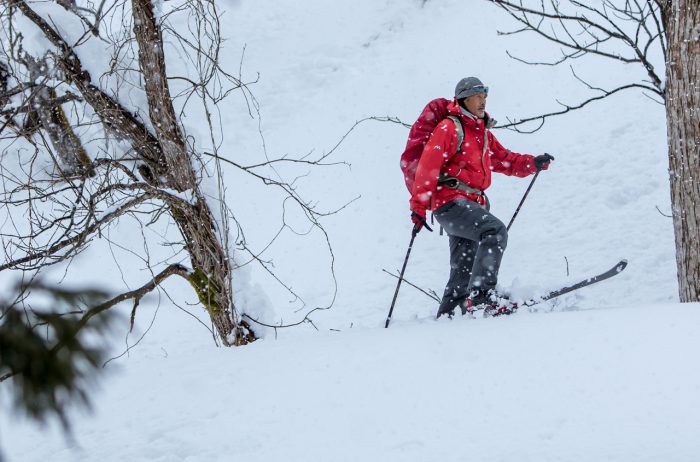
x=74, y=159
x=682, y=24
x=160, y=108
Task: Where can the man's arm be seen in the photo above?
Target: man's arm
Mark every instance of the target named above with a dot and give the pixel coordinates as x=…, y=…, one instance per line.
x=508, y=162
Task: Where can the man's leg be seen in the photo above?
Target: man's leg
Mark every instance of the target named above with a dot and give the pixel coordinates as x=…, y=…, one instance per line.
x=468, y=220
x=492, y=245
x=462, y=252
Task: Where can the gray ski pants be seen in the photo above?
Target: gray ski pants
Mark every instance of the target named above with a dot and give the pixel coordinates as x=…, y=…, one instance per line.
x=477, y=242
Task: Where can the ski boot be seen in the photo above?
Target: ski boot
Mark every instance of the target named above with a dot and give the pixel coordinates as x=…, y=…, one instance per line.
x=490, y=301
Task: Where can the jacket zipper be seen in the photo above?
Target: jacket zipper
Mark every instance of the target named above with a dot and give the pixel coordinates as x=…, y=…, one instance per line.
x=485, y=148
x=483, y=152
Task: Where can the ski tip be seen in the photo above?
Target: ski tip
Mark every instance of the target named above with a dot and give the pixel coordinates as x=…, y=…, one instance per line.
x=622, y=265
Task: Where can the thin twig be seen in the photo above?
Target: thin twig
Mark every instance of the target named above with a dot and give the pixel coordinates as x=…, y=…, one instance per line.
x=431, y=295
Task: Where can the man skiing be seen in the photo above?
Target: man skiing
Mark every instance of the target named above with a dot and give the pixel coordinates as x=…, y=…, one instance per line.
x=450, y=180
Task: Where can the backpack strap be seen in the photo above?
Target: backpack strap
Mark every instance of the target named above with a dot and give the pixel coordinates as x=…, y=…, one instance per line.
x=460, y=131
x=443, y=177
x=451, y=182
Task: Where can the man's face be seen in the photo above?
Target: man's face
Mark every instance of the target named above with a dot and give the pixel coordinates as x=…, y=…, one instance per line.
x=476, y=104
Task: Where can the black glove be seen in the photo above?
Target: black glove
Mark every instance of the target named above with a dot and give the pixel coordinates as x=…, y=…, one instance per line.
x=542, y=161
x=419, y=222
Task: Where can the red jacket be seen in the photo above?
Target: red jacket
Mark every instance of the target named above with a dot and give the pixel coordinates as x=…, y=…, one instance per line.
x=472, y=165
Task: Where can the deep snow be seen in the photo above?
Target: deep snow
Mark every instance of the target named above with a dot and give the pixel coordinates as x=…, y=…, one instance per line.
x=607, y=375
x=614, y=385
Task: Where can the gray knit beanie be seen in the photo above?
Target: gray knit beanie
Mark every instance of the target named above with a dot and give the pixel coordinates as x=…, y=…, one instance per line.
x=470, y=86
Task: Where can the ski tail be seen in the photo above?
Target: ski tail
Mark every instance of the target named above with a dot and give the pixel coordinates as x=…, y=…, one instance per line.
x=508, y=306
x=614, y=271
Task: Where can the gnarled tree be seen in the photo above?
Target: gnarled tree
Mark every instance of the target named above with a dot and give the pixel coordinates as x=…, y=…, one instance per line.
x=158, y=167
x=78, y=154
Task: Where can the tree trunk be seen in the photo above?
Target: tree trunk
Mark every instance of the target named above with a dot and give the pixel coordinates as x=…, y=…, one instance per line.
x=210, y=276
x=682, y=24
x=211, y=271
x=4, y=76
x=74, y=159
x=160, y=107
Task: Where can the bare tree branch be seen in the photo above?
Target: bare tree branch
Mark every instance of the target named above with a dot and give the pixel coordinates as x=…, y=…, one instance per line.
x=113, y=113
x=513, y=124
x=606, y=26
x=77, y=240
x=136, y=294
x=589, y=32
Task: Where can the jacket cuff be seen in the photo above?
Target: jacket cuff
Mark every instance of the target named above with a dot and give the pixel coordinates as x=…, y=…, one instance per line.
x=531, y=163
x=419, y=208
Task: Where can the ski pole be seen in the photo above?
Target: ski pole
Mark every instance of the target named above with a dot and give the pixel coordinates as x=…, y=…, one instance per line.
x=403, y=269
x=522, y=200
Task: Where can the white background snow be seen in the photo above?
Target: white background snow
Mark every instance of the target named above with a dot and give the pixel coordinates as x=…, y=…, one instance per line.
x=607, y=373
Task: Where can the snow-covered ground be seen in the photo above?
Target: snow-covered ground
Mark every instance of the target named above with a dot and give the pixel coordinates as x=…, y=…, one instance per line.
x=613, y=385
x=604, y=374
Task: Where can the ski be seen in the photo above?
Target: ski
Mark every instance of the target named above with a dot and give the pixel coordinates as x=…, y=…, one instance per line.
x=615, y=270
x=512, y=306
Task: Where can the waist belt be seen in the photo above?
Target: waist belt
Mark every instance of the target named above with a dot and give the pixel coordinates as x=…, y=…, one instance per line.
x=454, y=183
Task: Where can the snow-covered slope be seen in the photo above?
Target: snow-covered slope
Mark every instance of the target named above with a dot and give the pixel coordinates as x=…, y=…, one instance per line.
x=324, y=66
x=614, y=385
x=588, y=381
